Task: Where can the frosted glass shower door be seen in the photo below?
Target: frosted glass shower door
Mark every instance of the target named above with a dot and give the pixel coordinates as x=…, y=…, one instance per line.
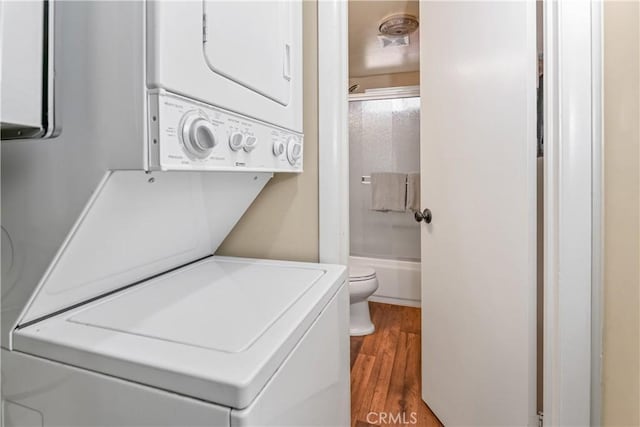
x=384, y=136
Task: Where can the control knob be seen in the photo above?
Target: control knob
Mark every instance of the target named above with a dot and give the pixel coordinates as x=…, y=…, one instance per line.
x=294, y=150
x=250, y=143
x=198, y=135
x=236, y=141
x=278, y=148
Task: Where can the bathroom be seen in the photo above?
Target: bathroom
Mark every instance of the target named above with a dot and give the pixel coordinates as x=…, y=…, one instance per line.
x=386, y=215
x=384, y=196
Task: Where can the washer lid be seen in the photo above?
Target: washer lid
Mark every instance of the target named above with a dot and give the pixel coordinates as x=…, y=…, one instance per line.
x=138, y=225
x=361, y=273
x=216, y=330
x=220, y=306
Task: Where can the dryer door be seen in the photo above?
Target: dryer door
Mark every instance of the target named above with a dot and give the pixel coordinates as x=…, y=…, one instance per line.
x=251, y=45
x=241, y=56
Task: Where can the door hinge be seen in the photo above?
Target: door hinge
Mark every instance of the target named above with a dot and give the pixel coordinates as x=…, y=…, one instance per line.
x=540, y=419
x=204, y=28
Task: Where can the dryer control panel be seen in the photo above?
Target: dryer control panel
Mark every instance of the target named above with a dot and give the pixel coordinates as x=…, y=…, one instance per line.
x=188, y=135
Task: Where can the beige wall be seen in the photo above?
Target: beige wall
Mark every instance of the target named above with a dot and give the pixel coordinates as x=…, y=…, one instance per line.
x=282, y=223
x=621, y=340
x=386, y=80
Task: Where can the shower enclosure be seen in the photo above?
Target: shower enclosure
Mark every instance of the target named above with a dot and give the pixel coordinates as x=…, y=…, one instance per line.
x=384, y=136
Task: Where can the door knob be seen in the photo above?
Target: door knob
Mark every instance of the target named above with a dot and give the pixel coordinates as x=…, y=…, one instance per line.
x=425, y=216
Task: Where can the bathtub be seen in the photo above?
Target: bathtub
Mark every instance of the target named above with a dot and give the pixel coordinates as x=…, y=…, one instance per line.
x=398, y=281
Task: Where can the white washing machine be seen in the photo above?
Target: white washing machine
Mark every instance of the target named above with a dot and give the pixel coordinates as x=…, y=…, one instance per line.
x=220, y=342
x=172, y=117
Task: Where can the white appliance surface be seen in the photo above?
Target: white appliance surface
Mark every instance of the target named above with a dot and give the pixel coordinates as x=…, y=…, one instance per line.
x=38, y=392
x=245, y=57
x=22, y=31
x=208, y=293
x=270, y=47
x=190, y=135
x=138, y=225
x=215, y=330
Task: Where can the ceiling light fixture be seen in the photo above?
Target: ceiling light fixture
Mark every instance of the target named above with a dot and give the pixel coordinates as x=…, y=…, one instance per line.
x=398, y=25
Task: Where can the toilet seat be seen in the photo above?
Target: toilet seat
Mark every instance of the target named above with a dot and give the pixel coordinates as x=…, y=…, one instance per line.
x=361, y=274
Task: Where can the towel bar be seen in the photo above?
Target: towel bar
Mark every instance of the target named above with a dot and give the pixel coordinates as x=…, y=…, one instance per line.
x=366, y=179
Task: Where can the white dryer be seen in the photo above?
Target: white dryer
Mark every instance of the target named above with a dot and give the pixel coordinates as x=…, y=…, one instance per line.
x=173, y=117
x=242, y=56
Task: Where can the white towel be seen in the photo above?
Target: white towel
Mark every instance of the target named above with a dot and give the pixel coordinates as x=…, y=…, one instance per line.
x=413, y=191
x=388, y=191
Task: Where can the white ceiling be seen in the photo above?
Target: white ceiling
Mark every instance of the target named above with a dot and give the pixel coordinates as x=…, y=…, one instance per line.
x=366, y=55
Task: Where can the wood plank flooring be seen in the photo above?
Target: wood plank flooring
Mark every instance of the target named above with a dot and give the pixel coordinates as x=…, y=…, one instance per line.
x=385, y=371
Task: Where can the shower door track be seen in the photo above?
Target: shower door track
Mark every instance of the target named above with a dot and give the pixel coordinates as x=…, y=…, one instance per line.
x=386, y=93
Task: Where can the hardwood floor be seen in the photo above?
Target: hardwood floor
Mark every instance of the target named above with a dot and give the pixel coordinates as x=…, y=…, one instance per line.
x=385, y=371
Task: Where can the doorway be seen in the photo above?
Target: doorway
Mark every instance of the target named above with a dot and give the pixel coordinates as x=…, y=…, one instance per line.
x=476, y=166
x=556, y=142
x=384, y=237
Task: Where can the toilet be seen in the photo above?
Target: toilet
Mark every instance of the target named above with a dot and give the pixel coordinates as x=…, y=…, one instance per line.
x=362, y=284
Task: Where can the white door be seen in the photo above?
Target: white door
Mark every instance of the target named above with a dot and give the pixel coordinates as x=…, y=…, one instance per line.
x=478, y=161
x=252, y=44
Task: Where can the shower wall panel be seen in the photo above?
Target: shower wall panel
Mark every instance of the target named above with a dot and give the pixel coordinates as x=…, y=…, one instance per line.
x=384, y=136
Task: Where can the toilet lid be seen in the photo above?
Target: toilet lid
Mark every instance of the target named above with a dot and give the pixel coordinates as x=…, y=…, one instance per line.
x=361, y=273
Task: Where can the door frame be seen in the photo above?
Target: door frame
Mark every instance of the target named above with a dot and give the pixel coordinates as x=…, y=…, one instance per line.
x=573, y=186
x=573, y=213
x=333, y=131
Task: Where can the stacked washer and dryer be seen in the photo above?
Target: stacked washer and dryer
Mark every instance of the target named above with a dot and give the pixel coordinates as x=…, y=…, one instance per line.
x=173, y=117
